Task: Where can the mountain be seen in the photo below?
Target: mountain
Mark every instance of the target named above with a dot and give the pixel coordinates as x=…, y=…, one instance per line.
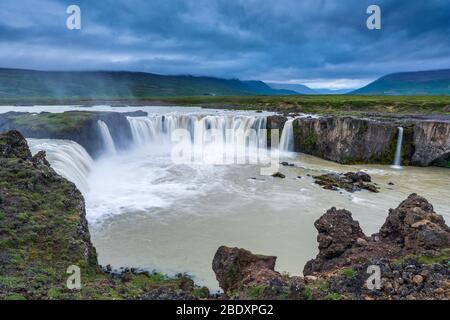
x=435, y=82
x=299, y=88
x=302, y=89
x=17, y=83
x=332, y=91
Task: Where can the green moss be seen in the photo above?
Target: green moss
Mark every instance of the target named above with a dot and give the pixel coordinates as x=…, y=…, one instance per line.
x=23, y=216
x=54, y=293
x=2, y=215
x=15, y=297
x=443, y=256
x=307, y=293
x=255, y=292
x=335, y=296
x=348, y=273
x=201, y=293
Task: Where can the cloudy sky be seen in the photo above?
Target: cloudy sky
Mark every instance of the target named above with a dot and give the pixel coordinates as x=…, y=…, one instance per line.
x=321, y=43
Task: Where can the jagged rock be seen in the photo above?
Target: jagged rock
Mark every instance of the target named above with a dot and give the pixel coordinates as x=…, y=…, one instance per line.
x=279, y=175
x=415, y=226
x=350, y=181
x=338, y=232
x=411, y=228
x=14, y=145
x=236, y=267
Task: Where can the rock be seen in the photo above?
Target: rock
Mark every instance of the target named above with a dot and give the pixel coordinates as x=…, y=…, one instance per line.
x=418, y=279
x=391, y=183
x=351, y=182
x=14, y=145
x=359, y=176
x=337, y=233
x=278, y=175
x=236, y=267
x=415, y=226
x=361, y=242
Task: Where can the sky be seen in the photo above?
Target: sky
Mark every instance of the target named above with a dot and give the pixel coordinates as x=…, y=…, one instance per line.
x=320, y=43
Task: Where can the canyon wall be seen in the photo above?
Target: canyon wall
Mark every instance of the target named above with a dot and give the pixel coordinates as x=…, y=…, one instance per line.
x=350, y=140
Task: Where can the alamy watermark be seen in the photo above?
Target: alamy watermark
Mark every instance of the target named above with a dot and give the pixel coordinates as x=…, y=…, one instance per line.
x=374, y=20
x=226, y=147
x=374, y=280
x=73, y=21
x=74, y=280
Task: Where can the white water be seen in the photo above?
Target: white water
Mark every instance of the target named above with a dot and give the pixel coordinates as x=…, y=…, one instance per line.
x=211, y=137
x=108, y=141
x=398, y=152
x=67, y=158
x=287, y=137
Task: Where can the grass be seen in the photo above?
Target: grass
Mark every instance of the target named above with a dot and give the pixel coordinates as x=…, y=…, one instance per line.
x=320, y=104
x=347, y=273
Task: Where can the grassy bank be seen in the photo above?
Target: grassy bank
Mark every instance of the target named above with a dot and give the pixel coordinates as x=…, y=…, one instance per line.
x=321, y=104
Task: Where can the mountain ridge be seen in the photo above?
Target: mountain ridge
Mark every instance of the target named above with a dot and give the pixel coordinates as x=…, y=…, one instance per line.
x=430, y=82
x=22, y=83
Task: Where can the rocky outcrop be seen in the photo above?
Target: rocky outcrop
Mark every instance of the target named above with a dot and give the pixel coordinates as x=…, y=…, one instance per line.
x=350, y=181
x=415, y=226
x=351, y=140
x=244, y=275
x=78, y=126
x=235, y=268
x=347, y=140
x=412, y=228
x=432, y=143
x=274, y=122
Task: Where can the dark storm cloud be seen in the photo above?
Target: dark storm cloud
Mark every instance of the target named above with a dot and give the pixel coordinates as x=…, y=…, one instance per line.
x=323, y=43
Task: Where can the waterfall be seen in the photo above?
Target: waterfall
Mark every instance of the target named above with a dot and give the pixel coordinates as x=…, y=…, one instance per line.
x=398, y=151
x=107, y=138
x=160, y=128
x=67, y=158
x=287, y=137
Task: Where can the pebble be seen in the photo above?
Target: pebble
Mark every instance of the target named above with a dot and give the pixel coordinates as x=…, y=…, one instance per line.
x=418, y=279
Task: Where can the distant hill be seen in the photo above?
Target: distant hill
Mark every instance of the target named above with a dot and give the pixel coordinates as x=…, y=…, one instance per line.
x=435, y=82
x=303, y=89
x=17, y=84
x=299, y=88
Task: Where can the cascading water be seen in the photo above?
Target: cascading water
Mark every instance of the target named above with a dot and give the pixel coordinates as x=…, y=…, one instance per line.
x=398, y=151
x=67, y=158
x=287, y=137
x=205, y=131
x=107, y=138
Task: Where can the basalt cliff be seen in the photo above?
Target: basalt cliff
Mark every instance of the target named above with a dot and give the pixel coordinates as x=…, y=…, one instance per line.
x=352, y=140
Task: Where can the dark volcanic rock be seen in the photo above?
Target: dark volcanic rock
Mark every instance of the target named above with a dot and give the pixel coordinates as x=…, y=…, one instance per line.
x=279, y=175
x=411, y=228
x=236, y=267
x=14, y=145
x=351, y=182
x=415, y=226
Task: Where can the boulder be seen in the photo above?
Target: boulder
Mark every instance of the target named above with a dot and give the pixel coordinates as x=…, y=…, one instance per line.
x=415, y=226
x=236, y=268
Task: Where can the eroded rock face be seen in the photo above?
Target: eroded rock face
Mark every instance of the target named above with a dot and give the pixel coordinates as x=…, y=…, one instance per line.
x=235, y=268
x=432, y=141
x=346, y=139
x=14, y=145
x=415, y=226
